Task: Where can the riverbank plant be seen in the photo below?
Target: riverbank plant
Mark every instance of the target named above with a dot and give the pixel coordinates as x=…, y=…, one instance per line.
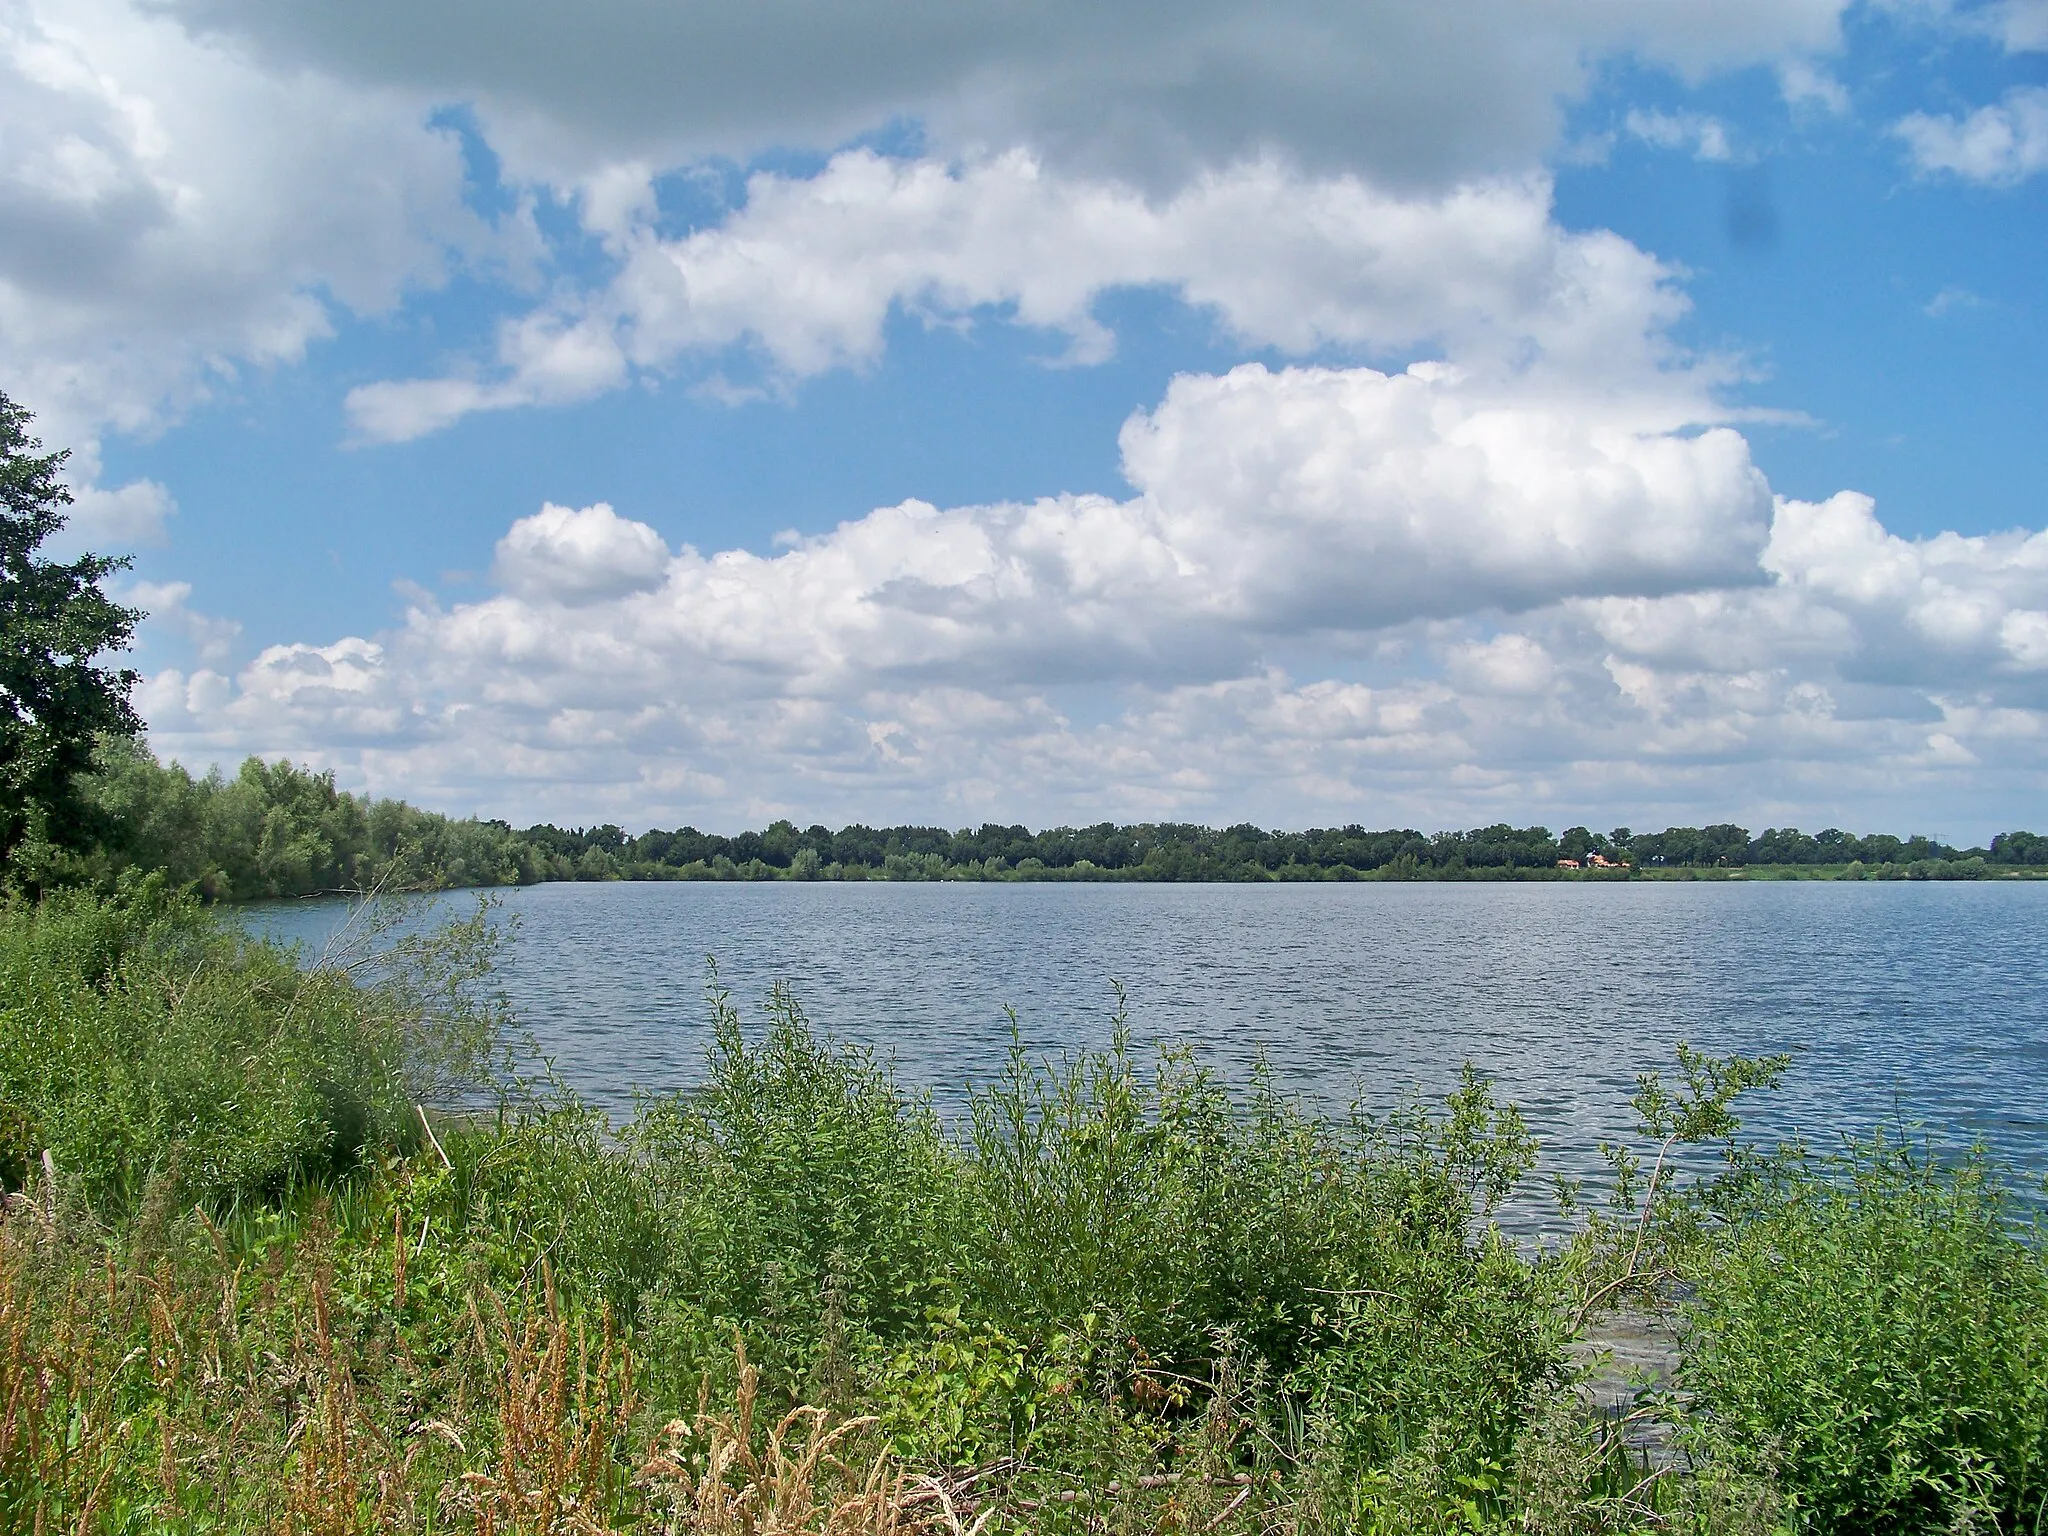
x=1876, y=1331
x=142, y=1043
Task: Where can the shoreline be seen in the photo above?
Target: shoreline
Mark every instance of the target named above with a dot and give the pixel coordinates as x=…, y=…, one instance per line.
x=1929, y=872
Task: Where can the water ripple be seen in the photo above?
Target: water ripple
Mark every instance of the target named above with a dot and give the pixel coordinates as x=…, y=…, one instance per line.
x=1923, y=1001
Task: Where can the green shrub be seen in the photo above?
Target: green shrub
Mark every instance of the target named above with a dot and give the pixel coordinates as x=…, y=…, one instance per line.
x=804, y=1197
x=1162, y=1197
x=1350, y=1261
x=141, y=1039
x=1877, y=1327
x=1106, y=1236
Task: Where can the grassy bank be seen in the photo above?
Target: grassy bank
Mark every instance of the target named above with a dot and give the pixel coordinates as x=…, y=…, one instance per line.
x=250, y=1289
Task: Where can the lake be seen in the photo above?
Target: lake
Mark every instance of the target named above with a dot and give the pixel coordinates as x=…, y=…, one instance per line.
x=1913, y=1002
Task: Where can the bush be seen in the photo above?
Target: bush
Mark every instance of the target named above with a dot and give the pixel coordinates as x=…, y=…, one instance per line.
x=1182, y=1208
x=141, y=1039
x=1877, y=1329
x=1126, y=1226
x=805, y=1198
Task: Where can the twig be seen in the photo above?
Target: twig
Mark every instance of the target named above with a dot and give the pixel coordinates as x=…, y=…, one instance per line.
x=432, y=1139
x=1628, y=1272
x=49, y=1189
x=1224, y=1513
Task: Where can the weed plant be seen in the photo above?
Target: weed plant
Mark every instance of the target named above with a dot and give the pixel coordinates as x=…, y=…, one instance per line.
x=1875, y=1328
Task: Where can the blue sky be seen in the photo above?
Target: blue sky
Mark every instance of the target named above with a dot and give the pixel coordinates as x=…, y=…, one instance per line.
x=1470, y=408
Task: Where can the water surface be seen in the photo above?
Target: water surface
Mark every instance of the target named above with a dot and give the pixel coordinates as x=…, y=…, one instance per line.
x=1897, y=1001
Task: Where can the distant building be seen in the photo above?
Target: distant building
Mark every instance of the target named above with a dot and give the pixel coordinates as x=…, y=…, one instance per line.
x=1594, y=860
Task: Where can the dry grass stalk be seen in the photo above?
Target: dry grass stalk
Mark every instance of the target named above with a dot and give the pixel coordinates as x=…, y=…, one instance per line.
x=715, y=1483
x=325, y=1495
x=563, y=1411
x=60, y=1433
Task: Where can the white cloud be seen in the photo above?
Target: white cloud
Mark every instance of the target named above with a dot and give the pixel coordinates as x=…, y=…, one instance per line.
x=1541, y=568
x=1949, y=300
x=189, y=192
x=1335, y=594
x=1805, y=85
x=118, y=519
x=809, y=270
x=1704, y=138
x=2020, y=25
x=564, y=556
x=1948, y=611
x=1353, y=500
x=2017, y=26
x=1999, y=145
x=173, y=215
x=169, y=604
x=1270, y=504
x=1504, y=664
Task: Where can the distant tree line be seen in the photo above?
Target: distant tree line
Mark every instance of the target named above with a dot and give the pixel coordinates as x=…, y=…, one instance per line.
x=1176, y=851
x=275, y=829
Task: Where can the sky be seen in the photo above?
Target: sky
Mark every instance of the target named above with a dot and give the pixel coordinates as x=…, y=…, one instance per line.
x=1402, y=413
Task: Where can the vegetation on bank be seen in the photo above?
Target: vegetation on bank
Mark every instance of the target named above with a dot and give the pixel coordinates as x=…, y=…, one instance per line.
x=275, y=829
x=1174, y=852
x=249, y=1288
x=272, y=830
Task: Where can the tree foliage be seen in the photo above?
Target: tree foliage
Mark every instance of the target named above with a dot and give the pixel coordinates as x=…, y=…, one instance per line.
x=275, y=829
x=56, y=699
x=1178, y=851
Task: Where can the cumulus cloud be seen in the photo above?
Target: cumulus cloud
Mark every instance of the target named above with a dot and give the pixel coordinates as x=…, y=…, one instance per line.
x=1949, y=611
x=1351, y=499
x=1999, y=145
x=1270, y=504
x=1335, y=593
x=808, y=272
x=1543, y=566
x=172, y=215
x=192, y=192
x=573, y=557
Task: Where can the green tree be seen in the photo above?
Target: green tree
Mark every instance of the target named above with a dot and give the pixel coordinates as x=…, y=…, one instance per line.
x=55, y=621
